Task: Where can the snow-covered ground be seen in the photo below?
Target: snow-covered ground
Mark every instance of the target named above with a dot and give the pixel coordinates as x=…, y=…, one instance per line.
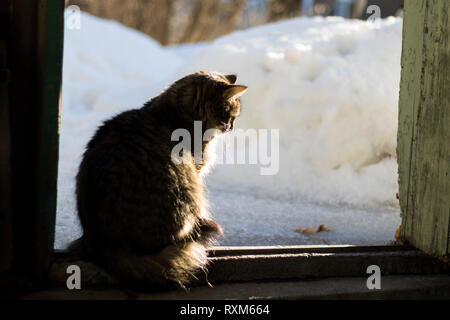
x=329, y=85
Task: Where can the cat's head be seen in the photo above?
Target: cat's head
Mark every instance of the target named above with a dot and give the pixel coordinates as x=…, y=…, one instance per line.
x=213, y=98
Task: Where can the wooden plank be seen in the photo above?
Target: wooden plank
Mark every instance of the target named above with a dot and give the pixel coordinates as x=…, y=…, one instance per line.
x=6, y=238
x=23, y=114
x=410, y=79
x=49, y=73
x=34, y=39
x=424, y=127
x=392, y=288
x=320, y=265
x=433, y=134
x=293, y=249
x=333, y=249
x=307, y=262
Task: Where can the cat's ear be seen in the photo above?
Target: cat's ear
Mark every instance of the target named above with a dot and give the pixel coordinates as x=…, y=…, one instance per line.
x=234, y=91
x=231, y=78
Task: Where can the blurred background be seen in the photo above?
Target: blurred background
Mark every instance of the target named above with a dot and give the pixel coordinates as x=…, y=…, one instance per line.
x=186, y=21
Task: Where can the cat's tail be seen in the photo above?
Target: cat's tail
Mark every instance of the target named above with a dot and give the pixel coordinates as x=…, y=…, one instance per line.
x=175, y=266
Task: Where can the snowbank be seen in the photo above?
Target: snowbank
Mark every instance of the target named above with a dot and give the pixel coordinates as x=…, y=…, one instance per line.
x=329, y=84
x=108, y=66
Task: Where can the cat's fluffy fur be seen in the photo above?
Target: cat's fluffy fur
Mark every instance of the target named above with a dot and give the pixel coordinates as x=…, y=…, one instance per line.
x=145, y=219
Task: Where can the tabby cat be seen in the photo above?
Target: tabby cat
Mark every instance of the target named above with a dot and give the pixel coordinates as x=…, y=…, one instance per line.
x=145, y=218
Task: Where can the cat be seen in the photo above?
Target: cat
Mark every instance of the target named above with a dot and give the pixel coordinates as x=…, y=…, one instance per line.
x=145, y=218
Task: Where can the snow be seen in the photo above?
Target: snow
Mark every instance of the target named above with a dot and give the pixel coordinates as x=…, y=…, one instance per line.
x=330, y=86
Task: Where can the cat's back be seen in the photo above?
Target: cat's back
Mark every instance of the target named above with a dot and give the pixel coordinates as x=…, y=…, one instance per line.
x=132, y=148
x=129, y=127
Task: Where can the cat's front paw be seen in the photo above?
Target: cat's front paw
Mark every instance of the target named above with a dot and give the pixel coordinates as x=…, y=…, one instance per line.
x=209, y=228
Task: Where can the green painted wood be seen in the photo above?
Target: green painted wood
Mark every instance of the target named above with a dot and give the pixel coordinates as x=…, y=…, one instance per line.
x=424, y=126
x=49, y=55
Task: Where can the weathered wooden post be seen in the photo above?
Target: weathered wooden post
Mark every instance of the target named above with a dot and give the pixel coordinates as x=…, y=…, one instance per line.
x=424, y=126
x=31, y=48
